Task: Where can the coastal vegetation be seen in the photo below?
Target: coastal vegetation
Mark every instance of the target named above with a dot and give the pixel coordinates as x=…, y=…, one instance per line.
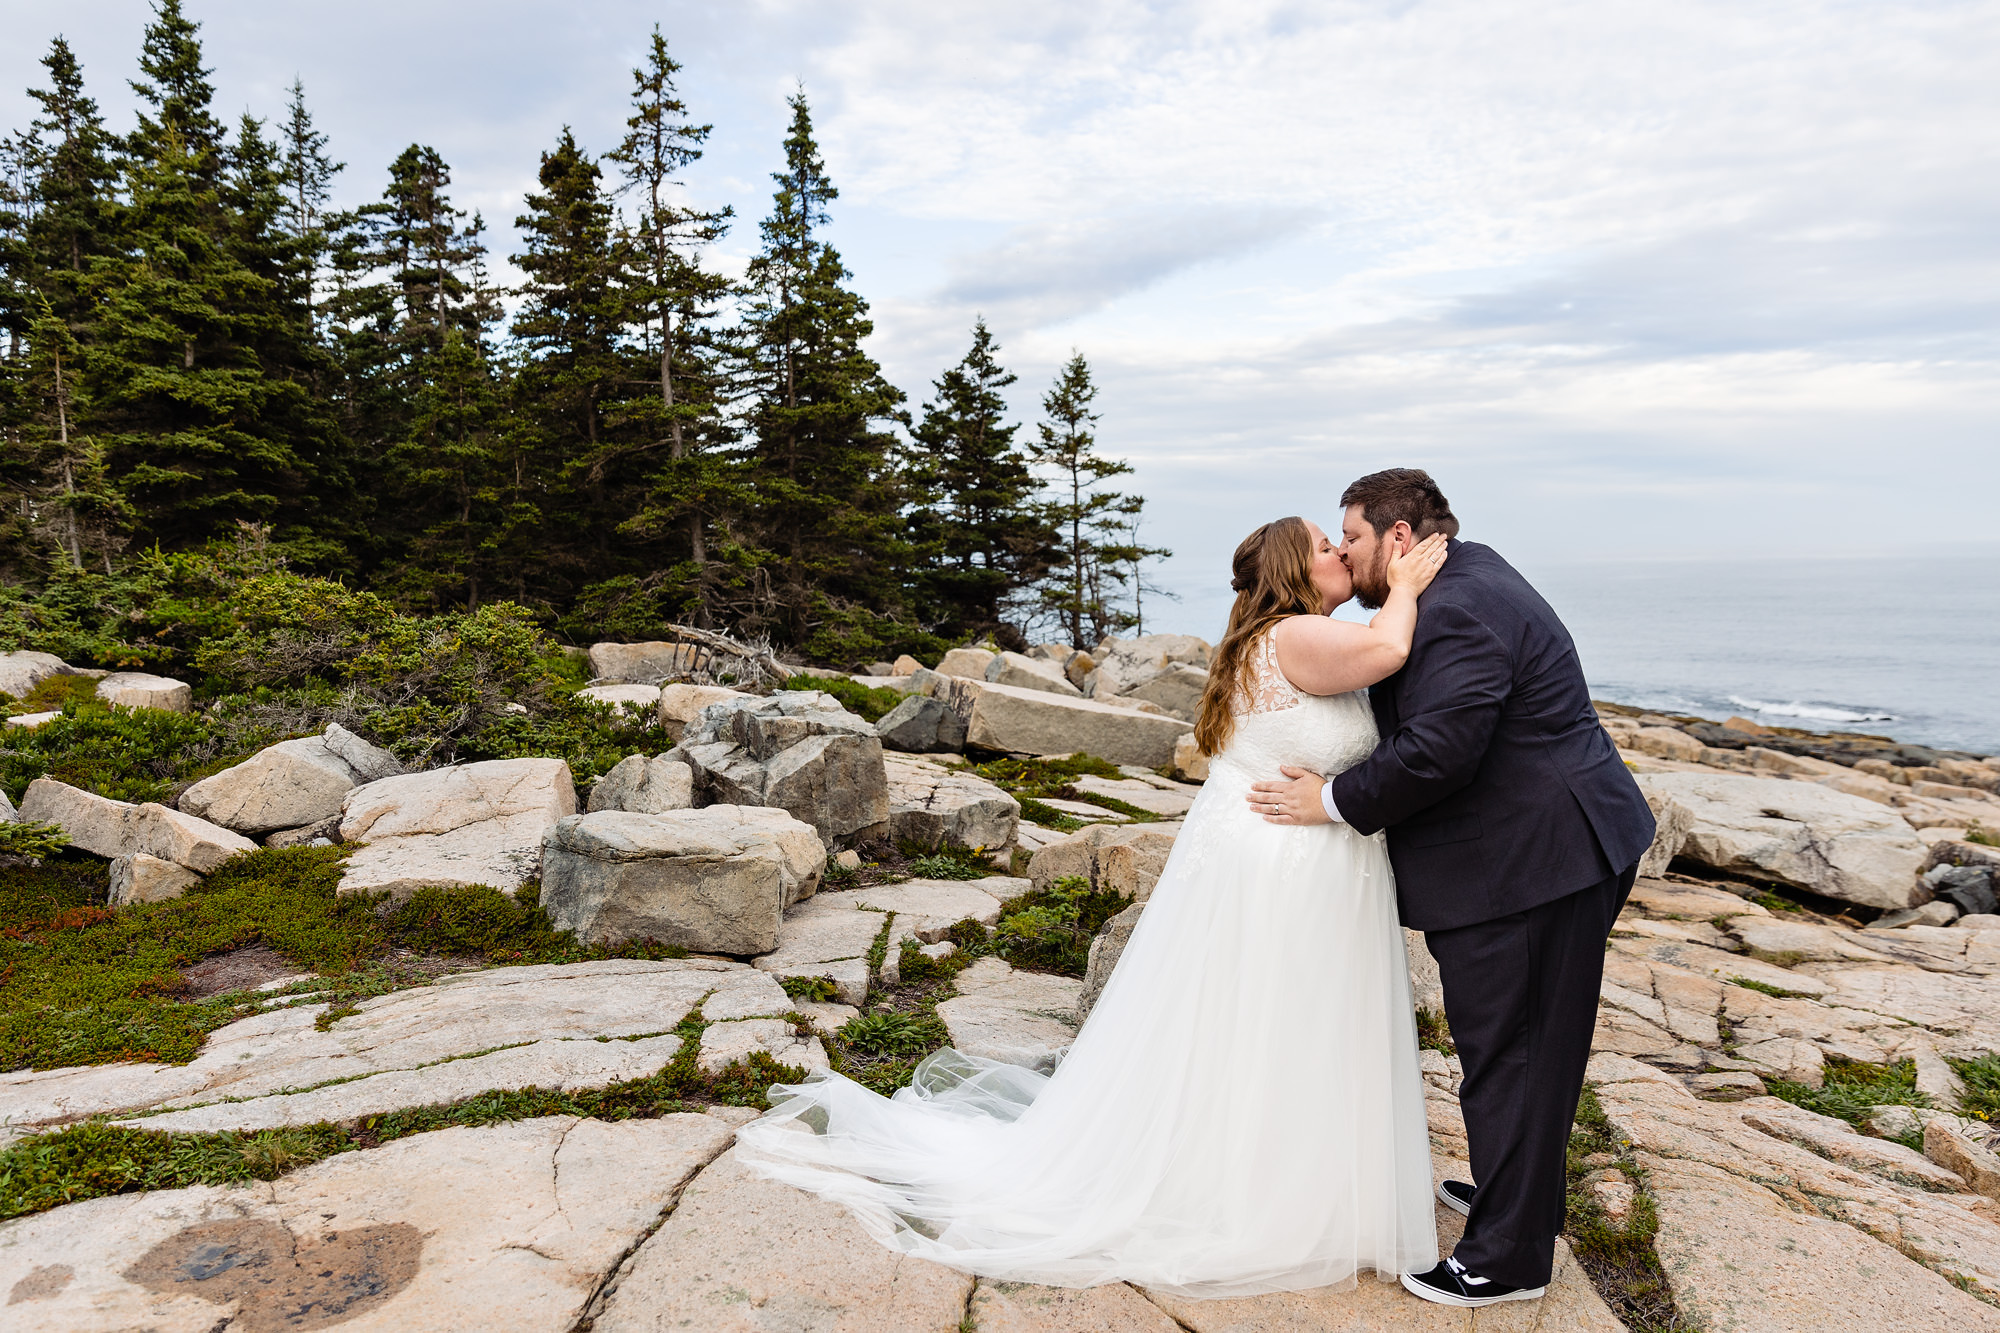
x=225, y=398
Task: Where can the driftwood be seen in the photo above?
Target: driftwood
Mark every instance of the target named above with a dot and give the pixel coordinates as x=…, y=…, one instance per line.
x=759, y=656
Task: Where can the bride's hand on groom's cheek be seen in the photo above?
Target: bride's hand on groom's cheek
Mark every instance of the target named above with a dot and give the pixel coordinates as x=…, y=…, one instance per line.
x=1293, y=801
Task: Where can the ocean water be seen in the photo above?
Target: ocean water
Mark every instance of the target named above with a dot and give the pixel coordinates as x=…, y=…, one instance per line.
x=1903, y=646
x=1897, y=646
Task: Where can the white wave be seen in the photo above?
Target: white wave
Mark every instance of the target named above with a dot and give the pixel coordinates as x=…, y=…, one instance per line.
x=1814, y=712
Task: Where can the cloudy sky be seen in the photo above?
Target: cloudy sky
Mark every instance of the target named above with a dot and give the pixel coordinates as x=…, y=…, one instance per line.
x=1631, y=279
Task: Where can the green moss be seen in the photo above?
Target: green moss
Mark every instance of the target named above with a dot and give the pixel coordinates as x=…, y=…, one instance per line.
x=93, y=1159
x=820, y=990
x=1033, y=781
x=866, y=702
x=1766, y=988
x=1985, y=837
x=84, y=984
x=1772, y=902
x=1620, y=1257
x=1851, y=1089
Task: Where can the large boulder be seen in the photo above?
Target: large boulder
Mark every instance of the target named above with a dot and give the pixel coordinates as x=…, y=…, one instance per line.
x=922, y=725
x=138, y=877
x=642, y=700
x=1671, y=823
x=1030, y=673
x=1122, y=665
x=1017, y=721
x=968, y=662
x=290, y=784
x=644, y=785
x=1797, y=833
x=1178, y=690
x=931, y=805
x=1189, y=763
x=682, y=703
x=137, y=689
x=21, y=671
x=474, y=824
x=640, y=663
x=716, y=880
x=1123, y=859
x=1105, y=951
x=116, y=828
x=797, y=750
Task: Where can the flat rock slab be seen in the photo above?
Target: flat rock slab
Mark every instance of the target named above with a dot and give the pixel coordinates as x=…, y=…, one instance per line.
x=1797, y=833
x=1147, y=796
x=829, y=935
x=1760, y=1232
x=931, y=907
x=722, y=1044
x=1023, y=1307
x=280, y=1054
x=742, y=1254
x=473, y=824
x=932, y=805
x=508, y=1227
x=1022, y=1018
x=1022, y=721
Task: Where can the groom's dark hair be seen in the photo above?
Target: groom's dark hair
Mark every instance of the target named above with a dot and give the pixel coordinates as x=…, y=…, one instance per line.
x=1402, y=495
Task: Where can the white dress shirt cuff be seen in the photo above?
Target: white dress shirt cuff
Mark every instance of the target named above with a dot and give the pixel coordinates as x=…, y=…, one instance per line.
x=1326, y=799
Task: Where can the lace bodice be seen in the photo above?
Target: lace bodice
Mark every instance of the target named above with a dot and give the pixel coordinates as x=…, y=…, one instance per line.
x=1277, y=723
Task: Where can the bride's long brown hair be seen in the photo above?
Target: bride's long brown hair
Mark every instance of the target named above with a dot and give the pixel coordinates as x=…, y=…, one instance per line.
x=1272, y=576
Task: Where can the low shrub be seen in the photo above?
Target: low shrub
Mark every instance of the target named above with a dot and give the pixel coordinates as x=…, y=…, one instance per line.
x=1050, y=930
x=1982, y=1086
x=867, y=702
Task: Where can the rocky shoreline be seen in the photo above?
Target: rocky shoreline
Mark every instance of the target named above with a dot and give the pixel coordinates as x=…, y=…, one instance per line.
x=1795, y=1049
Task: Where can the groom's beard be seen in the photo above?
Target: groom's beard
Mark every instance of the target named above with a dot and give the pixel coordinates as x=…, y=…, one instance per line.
x=1371, y=588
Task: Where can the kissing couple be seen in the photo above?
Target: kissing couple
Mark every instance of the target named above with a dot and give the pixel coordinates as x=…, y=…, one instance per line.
x=1242, y=1112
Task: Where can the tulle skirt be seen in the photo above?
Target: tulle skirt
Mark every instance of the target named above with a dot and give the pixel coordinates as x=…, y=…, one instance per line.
x=1241, y=1113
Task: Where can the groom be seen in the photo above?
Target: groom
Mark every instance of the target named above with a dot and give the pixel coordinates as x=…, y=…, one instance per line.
x=1516, y=833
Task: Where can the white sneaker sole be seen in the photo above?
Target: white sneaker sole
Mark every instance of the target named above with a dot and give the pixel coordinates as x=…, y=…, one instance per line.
x=1436, y=1297
x=1462, y=1209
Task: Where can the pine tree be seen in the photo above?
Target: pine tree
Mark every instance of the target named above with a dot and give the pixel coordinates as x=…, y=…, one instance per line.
x=1093, y=523
x=670, y=295
x=828, y=505
x=978, y=534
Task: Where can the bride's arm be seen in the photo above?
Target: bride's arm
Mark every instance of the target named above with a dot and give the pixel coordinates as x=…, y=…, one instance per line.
x=1321, y=655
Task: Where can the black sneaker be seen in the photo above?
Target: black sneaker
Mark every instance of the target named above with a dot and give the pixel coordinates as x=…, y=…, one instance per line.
x=1457, y=1196
x=1452, y=1283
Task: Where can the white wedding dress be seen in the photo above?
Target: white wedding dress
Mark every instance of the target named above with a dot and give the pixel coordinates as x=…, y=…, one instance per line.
x=1241, y=1113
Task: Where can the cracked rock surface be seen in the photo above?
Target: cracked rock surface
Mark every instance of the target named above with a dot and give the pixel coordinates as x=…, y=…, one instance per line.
x=504, y=1228
x=523, y=1026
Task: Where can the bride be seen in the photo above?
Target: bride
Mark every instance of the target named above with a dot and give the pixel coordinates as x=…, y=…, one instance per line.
x=1242, y=1112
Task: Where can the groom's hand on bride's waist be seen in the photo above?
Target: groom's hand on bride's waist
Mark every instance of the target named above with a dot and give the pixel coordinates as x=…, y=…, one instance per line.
x=1296, y=800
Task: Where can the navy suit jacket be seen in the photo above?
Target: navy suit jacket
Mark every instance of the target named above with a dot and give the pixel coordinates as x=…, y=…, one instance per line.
x=1498, y=786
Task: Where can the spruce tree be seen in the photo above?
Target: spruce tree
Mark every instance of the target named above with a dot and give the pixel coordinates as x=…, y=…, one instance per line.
x=669, y=297
x=827, y=503
x=69, y=203
x=307, y=180
x=977, y=532
x=573, y=373
x=199, y=367
x=1094, y=544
